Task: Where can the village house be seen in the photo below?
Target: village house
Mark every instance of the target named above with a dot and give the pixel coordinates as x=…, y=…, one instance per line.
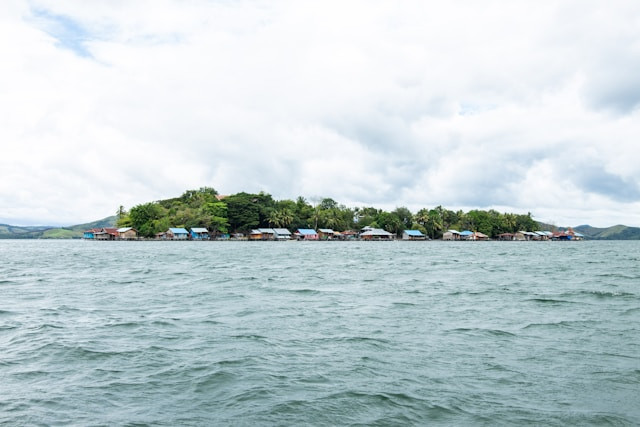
x=267, y=233
x=451, y=235
x=477, y=235
x=127, y=233
x=544, y=235
x=325, y=234
x=282, y=234
x=506, y=236
x=525, y=235
x=376, y=234
x=306, y=234
x=413, y=235
x=348, y=235
x=107, y=233
x=177, y=233
x=91, y=233
x=199, y=233
x=466, y=235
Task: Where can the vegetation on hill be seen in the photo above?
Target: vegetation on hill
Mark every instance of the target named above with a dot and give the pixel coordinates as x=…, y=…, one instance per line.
x=17, y=232
x=617, y=232
x=242, y=212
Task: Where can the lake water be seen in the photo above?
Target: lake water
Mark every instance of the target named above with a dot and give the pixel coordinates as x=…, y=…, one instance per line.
x=319, y=333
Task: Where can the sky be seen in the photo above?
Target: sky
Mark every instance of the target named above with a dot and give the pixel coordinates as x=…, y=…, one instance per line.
x=516, y=106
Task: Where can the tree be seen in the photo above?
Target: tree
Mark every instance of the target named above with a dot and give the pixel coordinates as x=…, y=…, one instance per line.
x=243, y=211
x=280, y=218
x=214, y=217
x=435, y=223
x=143, y=217
x=422, y=217
x=122, y=217
x=389, y=222
x=404, y=215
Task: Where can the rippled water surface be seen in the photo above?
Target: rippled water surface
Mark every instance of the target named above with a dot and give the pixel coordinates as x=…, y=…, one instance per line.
x=322, y=333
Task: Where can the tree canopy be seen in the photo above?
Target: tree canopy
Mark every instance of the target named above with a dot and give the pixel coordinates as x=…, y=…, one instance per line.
x=242, y=212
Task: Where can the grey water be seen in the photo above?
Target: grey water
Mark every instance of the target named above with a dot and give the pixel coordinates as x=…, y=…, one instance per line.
x=319, y=333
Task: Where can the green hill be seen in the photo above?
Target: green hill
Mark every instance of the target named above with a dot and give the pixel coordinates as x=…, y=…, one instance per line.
x=48, y=232
x=617, y=232
x=16, y=232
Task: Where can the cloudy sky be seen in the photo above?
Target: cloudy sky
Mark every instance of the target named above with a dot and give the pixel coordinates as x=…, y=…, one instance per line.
x=517, y=106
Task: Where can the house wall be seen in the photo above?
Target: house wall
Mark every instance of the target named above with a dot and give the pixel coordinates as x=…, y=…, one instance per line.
x=129, y=235
x=172, y=236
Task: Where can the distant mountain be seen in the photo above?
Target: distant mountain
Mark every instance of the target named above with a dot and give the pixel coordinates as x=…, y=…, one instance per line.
x=48, y=232
x=617, y=232
x=17, y=232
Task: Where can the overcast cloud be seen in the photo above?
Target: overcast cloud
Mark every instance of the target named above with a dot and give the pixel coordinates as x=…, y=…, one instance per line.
x=518, y=106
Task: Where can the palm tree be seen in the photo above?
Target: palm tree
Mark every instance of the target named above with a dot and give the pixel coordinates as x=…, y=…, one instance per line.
x=435, y=219
x=274, y=218
x=280, y=218
x=422, y=217
x=286, y=217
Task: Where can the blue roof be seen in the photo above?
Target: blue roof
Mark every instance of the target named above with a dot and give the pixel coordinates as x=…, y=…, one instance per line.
x=178, y=231
x=466, y=233
x=306, y=231
x=416, y=233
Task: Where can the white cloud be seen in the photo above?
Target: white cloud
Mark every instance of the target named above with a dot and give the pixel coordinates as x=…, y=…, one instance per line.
x=515, y=106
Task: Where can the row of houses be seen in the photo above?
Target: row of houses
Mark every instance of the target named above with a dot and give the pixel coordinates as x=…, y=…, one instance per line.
x=518, y=236
x=201, y=233
x=130, y=233
x=111, y=233
x=367, y=233
x=279, y=234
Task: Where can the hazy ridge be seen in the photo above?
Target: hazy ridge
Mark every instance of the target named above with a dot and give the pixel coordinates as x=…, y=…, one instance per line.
x=50, y=232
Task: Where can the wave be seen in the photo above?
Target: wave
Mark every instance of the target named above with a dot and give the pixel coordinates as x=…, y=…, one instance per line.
x=494, y=332
x=404, y=304
x=550, y=301
x=603, y=294
x=560, y=324
x=304, y=291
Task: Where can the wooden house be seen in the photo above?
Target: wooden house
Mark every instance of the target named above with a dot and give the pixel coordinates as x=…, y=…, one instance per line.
x=413, y=235
x=127, y=233
x=177, y=233
x=477, y=235
x=199, y=233
x=506, y=236
x=451, y=235
x=306, y=234
x=267, y=233
x=91, y=233
x=376, y=234
x=282, y=234
x=325, y=234
x=107, y=233
x=466, y=235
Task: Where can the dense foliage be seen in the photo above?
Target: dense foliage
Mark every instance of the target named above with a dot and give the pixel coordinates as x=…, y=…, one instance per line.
x=242, y=212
